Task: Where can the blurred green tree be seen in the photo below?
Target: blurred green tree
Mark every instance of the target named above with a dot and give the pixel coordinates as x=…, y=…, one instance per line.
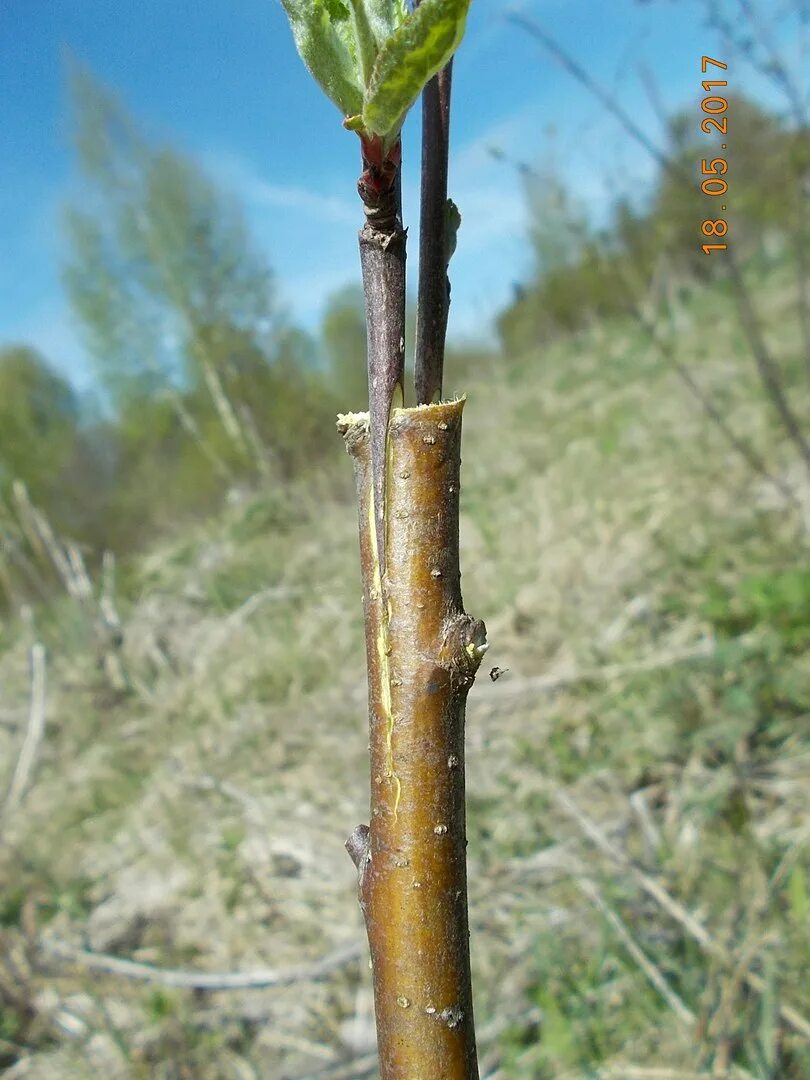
x=182, y=319
x=579, y=275
x=762, y=178
x=39, y=416
x=343, y=332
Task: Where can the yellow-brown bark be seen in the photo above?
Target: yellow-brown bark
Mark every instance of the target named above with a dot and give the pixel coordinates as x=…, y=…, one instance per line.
x=423, y=652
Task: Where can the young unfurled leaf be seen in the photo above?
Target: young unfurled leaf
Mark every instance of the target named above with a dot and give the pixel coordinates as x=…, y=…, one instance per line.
x=384, y=16
x=324, y=34
x=409, y=57
x=373, y=57
x=366, y=41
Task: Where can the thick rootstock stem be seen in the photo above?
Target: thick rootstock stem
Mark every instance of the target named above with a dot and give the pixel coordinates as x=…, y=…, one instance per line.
x=423, y=652
x=434, y=285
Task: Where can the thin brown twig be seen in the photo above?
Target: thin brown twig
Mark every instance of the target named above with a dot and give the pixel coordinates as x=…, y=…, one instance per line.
x=210, y=981
x=383, y=243
x=434, y=286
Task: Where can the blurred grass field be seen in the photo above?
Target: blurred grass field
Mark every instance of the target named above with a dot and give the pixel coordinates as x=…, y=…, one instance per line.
x=638, y=780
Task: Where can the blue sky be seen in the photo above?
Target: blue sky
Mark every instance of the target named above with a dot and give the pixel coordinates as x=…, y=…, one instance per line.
x=222, y=81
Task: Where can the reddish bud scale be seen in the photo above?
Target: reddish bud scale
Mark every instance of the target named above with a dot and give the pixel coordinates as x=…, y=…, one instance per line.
x=380, y=169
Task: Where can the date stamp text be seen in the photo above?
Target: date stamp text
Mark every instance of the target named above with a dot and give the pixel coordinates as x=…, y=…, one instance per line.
x=714, y=183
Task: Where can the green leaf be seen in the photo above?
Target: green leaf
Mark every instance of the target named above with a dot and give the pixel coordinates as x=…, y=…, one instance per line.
x=384, y=17
x=324, y=35
x=367, y=45
x=409, y=57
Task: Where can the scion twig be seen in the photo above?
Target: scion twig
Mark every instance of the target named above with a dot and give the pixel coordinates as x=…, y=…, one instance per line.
x=434, y=253
x=382, y=260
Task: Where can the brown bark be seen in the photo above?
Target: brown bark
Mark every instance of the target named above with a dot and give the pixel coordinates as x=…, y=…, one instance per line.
x=423, y=652
x=434, y=286
x=382, y=260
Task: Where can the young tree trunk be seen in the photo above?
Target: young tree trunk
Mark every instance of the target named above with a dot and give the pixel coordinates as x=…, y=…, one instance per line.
x=423, y=652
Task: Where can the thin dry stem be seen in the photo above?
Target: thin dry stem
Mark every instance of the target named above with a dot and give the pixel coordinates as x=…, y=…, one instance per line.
x=33, y=735
x=674, y=908
x=211, y=981
x=653, y=973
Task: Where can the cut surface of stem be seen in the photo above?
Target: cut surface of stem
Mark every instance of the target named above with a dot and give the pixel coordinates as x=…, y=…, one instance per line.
x=423, y=652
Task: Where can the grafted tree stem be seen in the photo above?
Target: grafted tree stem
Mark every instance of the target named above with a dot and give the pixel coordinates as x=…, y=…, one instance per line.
x=423, y=652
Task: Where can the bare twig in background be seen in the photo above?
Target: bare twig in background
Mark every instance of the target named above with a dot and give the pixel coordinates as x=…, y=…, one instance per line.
x=750, y=36
x=543, y=684
x=111, y=628
x=250, y=806
x=766, y=366
x=203, y=981
x=34, y=734
x=653, y=973
x=643, y=1072
x=81, y=579
x=673, y=907
x=667, y=350
x=106, y=602
x=191, y=427
x=742, y=446
x=40, y=535
x=235, y=619
x=580, y=74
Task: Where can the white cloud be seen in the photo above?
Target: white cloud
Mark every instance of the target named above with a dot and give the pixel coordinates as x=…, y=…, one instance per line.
x=238, y=174
x=507, y=134
x=308, y=291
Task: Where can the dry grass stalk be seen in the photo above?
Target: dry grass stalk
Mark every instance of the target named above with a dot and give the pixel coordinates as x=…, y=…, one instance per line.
x=653, y=973
x=546, y=684
x=211, y=981
x=676, y=910
x=34, y=734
